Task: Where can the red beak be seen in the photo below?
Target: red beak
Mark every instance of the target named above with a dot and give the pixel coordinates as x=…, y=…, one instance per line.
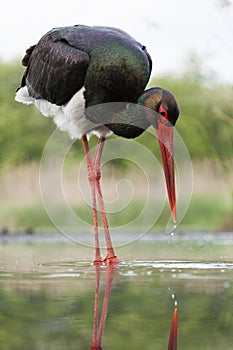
x=172, y=345
x=165, y=136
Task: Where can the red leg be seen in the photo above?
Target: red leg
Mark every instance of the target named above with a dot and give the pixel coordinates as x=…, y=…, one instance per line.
x=110, y=257
x=91, y=178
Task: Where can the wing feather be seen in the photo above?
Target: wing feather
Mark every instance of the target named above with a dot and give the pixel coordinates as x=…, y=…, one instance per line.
x=55, y=69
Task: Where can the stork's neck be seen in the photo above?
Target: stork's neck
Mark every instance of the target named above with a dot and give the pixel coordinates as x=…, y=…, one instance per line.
x=133, y=120
x=130, y=121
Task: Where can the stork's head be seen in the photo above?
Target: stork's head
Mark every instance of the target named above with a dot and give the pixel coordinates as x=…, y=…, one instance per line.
x=164, y=103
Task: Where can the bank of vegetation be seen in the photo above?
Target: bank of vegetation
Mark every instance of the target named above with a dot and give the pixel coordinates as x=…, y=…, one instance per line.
x=206, y=126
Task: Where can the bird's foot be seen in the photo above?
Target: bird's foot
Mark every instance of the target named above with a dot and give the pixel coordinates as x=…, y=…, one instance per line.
x=111, y=259
x=99, y=262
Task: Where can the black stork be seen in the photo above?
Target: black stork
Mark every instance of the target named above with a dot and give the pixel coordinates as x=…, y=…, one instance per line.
x=73, y=68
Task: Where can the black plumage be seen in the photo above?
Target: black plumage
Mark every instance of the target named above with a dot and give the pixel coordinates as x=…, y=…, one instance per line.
x=107, y=62
x=98, y=58
x=113, y=70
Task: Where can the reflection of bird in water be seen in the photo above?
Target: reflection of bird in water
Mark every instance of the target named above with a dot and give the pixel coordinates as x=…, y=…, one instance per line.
x=98, y=327
x=99, y=324
x=74, y=68
x=172, y=344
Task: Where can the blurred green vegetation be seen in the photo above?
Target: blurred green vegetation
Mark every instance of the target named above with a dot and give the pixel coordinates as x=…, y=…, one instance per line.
x=22, y=134
x=206, y=126
x=208, y=213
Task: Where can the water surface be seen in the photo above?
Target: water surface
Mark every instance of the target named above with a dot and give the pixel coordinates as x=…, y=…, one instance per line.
x=48, y=294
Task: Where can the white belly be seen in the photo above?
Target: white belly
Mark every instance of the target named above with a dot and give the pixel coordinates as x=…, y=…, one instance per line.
x=69, y=117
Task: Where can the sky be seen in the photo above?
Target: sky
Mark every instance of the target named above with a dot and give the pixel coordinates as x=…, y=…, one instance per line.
x=172, y=30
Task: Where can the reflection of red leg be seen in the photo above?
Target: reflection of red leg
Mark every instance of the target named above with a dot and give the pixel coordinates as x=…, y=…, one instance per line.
x=98, y=333
x=172, y=345
x=110, y=257
x=110, y=273
x=94, y=344
x=91, y=178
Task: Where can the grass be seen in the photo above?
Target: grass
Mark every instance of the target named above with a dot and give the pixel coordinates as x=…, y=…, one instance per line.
x=204, y=214
x=21, y=206
x=208, y=213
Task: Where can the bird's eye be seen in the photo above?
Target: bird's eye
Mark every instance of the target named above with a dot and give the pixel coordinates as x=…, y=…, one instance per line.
x=163, y=114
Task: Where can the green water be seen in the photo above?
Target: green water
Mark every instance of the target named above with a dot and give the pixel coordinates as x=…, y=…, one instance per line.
x=47, y=295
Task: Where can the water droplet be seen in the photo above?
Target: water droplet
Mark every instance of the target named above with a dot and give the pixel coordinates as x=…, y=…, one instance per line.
x=173, y=233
